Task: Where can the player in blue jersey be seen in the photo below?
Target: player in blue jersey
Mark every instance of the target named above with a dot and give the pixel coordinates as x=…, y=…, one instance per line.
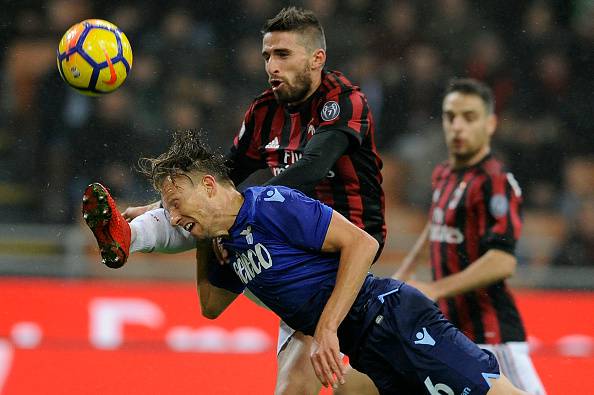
x=310, y=265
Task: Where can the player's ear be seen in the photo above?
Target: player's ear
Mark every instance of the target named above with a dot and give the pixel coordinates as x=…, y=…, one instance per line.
x=210, y=184
x=318, y=59
x=492, y=124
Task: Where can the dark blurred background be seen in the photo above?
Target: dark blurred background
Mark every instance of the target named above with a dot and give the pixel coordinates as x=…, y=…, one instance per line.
x=198, y=64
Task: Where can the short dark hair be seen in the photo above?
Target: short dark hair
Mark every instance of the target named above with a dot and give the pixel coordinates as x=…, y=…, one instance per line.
x=188, y=153
x=293, y=19
x=470, y=86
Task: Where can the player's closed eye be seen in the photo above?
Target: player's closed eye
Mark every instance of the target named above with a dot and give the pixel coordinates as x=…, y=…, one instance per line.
x=470, y=117
x=449, y=117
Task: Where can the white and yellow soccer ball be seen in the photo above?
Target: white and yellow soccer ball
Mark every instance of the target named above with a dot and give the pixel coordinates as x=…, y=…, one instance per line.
x=94, y=57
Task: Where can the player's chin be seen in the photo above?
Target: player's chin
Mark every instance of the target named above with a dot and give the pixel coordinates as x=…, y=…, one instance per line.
x=283, y=95
x=199, y=235
x=280, y=96
x=459, y=149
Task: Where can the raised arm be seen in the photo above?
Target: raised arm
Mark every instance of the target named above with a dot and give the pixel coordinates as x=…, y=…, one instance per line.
x=357, y=251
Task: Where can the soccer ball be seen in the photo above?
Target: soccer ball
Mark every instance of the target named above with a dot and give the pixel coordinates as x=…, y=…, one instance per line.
x=94, y=57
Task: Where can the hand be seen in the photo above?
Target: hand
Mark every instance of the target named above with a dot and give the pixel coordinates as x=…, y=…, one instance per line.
x=132, y=212
x=325, y=358
x=220, y=252
x=427, y=288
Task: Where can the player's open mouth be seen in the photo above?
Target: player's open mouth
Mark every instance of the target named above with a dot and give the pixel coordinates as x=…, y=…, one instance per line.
x=275, y=84
x=189, y=226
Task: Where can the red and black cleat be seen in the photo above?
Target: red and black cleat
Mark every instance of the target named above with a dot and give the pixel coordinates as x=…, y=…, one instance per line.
x=107, y=224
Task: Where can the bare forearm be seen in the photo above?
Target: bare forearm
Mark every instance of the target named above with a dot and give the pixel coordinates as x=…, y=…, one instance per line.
x=354, y=265
x=492, y=267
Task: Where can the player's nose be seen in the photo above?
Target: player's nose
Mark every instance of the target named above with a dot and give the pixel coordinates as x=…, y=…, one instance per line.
x=457, y=124
x=272, y=66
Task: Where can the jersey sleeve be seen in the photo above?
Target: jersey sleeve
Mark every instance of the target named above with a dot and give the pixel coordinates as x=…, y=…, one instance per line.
x=500, y=212
x=223, y=276
x=244, y=157
x=293, y=217
x=348, y=112
x=319, y=155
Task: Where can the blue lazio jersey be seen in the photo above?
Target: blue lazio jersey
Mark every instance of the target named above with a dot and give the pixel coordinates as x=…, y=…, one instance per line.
x=275, y=246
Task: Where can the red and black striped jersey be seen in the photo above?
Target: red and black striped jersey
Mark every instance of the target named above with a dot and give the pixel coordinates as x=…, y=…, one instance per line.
x=274, y=135
x=473, y=210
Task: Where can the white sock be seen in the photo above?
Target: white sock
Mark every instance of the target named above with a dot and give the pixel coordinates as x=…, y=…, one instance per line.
x=152, y=231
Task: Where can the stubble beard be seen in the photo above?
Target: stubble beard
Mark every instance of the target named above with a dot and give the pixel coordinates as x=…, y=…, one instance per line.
x=298, y=91
x=467, y=155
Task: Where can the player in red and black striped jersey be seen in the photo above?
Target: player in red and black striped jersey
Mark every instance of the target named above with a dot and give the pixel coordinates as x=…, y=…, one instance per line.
x=474, y=210
x=314, y=130
x=323, y=145
x=474, y=224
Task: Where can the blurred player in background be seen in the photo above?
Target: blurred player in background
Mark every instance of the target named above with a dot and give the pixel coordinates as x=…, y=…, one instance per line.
x=314, y=130
x=310, y=266
x=474, y=224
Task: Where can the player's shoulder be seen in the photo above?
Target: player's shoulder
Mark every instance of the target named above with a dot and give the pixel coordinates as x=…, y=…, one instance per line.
x=334, y=84
x=495, y=175
x=264, y=99
x=263, y=203
x=271, y=194
x=492, y=167
x=441, y=170
x=267, y=203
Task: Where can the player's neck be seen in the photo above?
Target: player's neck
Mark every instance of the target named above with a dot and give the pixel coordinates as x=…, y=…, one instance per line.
x=460, y=162
x=231, y=204
x=316, y=81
